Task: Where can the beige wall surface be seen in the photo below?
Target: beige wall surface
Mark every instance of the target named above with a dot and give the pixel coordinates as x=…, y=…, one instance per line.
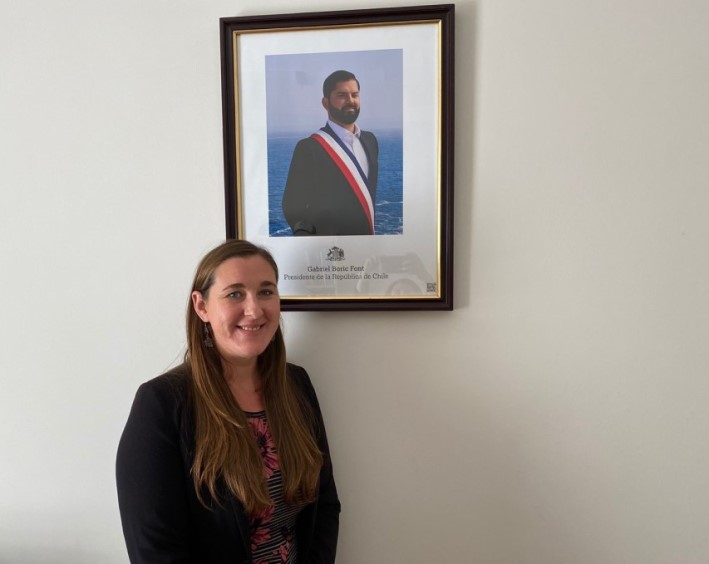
x=557, y=416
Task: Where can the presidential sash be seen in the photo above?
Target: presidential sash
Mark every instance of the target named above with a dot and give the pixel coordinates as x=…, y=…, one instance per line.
x=350, y=169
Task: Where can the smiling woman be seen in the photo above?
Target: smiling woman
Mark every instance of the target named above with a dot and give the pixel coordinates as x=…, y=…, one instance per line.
x=225, y=458
x=240, y=310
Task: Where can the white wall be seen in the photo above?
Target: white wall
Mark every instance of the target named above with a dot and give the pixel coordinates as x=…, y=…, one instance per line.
x=558, y=415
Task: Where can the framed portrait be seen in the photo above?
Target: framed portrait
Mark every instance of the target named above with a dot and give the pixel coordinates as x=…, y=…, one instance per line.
x=338, y=152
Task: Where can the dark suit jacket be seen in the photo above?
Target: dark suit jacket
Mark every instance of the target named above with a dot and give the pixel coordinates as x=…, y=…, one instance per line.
x=317, y=199
x=163, y=521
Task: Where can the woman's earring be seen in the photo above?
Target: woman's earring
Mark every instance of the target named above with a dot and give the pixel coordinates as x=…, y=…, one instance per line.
x=207, y=336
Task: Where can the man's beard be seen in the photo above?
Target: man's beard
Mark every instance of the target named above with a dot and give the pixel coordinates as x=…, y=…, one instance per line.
x=344, y=116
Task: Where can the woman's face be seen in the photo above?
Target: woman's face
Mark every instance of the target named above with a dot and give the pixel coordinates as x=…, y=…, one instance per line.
x=243, y=308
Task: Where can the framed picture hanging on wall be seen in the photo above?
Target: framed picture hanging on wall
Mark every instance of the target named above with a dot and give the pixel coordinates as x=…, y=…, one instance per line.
x=338, y=151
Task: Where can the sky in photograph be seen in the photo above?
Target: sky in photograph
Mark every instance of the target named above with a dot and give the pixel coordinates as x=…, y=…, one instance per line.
x=294, y=89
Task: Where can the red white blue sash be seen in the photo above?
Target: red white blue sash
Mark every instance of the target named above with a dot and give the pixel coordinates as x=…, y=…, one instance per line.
x=350, y=170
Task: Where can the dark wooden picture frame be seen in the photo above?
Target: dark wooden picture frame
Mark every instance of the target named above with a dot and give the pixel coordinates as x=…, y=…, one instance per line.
x=406, y=261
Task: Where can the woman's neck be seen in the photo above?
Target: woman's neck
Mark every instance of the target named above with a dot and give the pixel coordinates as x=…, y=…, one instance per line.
x=245, y=385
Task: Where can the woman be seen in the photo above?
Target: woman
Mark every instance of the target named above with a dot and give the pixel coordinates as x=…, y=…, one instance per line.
x=224, y=459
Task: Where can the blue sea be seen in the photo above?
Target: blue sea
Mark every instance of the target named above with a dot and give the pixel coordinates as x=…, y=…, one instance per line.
x=388, y=207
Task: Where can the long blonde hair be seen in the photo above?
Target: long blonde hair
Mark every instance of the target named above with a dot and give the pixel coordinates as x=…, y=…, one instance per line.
x=225, y=448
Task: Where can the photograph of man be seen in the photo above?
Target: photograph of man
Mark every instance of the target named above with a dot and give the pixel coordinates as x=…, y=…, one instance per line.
x=332, y=181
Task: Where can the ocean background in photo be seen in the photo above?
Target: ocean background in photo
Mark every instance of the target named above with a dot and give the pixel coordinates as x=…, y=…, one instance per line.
x=389, y=204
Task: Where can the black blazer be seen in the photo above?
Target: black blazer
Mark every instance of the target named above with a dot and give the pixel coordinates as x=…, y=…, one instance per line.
x=317, y=199
x=164, y=522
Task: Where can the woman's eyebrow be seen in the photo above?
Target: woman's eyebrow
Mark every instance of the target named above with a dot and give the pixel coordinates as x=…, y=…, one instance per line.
x=240, y=285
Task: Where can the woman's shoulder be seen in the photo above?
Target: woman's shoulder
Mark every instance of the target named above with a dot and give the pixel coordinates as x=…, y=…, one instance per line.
x=301, y=379
x=172, y=386
x=295, y=370
x=299, y=375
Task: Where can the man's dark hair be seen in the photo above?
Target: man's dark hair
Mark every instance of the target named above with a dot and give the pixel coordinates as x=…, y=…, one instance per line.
x=338, y=76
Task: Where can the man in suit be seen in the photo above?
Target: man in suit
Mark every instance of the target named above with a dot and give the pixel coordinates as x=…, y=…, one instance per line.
x=332, y=180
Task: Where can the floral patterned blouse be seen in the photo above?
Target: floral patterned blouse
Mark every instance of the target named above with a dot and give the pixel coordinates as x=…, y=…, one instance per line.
x=273, y=539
